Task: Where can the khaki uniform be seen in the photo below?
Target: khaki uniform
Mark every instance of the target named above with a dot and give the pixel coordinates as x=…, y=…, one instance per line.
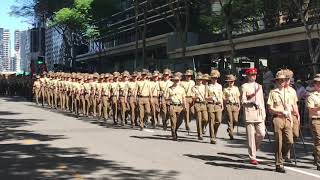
x=252, y=100
x=188, y=85
x=200, y=107
x=123, y=99
x=105, y=99
x=282, y=125
x=215, y=106
x=132, y=94
x=77, y=88
x=296, y=122
x=43, y=84
x=94, y=97
x=176, y=96
x=99, y=99
x=144, y=94
x=87, y=104
x=231, y=96
x=114, y=100
x=313, y=101
x=155, y=103
x=164, y=87
x=37, y=90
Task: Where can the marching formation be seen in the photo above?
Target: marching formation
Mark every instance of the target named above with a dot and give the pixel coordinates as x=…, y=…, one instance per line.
x=146, y=99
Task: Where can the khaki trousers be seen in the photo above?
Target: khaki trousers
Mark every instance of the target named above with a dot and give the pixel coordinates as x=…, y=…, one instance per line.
x=189, y=110
x=123, y=109
x=255, y=134
x=164, y=113
x=283, y=138
x=114, y=106
x=37, y=93
x=177, y=114
x=93, y=100
x=201, y=117
x=144, y=108
x=133, y=110
x=315, y=126
x=233, y=117
x=155, y=110
x=105, y=106
x=87, y=104
x=83, y=103
x=215, y=118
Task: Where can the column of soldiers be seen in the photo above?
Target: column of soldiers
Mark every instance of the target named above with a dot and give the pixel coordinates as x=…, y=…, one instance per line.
x=143, y=98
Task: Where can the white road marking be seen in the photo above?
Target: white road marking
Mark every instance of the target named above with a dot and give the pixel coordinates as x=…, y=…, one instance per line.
x=148, y=130
x=303, y=172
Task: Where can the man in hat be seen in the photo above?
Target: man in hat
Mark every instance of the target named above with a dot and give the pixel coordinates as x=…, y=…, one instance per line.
x=115, y=96
x=132, y=94
x=105, y=96
x=280, y=106
x=214, y=97
x=123, y=96
x=231, y=98
x=165, y=84
x=144, y=95
x=175, y=95
x=87, y=90
x=188, y=84
x=155, y=92
x=37, y=89
x=199, y=93
x=313, y=104
x=252, y=100
x=94, y=93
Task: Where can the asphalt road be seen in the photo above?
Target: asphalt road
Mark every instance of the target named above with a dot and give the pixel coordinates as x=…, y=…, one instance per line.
x=41, y=143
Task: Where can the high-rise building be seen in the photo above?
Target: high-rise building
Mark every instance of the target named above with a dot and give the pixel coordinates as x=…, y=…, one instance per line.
x=6, y=50
x=54, y=48
x=25, y=50
x=17, y=55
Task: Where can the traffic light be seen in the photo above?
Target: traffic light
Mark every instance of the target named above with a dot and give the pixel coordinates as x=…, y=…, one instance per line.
x=40, y=60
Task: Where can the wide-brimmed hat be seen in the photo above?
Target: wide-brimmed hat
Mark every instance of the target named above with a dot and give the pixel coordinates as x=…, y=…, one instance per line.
x=176, y=77
x=125, y=74
x=189, y=72
x=316, y=78
x=166, y=72
x=215, y=73
x=144, y=72
x=281, y=75
x=200, y=77
x=230, y=77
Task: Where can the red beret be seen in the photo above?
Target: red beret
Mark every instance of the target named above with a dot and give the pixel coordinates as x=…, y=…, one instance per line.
x=251, y=71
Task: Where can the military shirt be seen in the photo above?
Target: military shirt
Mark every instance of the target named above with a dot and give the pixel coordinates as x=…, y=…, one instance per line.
x=114, y=87
x=155, y=88
x=144, y=88
x=106, y=88
x=87, y=87
x=176, y=94
x=231, y=94
x=188, y=85
x=214, y=91
x=282, y=99
x=164, y=86
x=133, y=87
x=313, y=101
x=37, y=84
x=199, y=92
x=123, y=88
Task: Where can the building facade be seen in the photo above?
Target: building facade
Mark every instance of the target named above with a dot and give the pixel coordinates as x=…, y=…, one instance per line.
x=25, y=50
x=6, y=50
x=54, y=48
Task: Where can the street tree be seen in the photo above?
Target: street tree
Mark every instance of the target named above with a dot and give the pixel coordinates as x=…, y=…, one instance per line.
x=75, y=24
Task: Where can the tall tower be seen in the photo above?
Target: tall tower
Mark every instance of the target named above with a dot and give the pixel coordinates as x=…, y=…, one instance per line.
x=6, y=50
x=17, y=50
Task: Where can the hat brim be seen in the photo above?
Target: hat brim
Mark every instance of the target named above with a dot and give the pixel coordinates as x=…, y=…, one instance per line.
x=230, y=80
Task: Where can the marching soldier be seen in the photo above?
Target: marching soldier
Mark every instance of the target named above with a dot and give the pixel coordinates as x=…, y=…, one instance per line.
x=313, y=104
x=83, y=94
x=164, y=86
x=231, y=97
x=115, y=96
x=105, y=96
x=252, y=100
x=37, y=89
x=93, y=95
x=199, y=93
x=215, y=105
x=87, y=89
x=99, y=95
x=123, y=96
x=188, y=84
x=43, y=85
x=144, y=94
x=175, y=95
x=280, y=105
x=132, y=93
x=155, y=92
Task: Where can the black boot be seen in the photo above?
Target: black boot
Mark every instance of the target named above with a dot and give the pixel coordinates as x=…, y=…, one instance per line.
x=280, y=169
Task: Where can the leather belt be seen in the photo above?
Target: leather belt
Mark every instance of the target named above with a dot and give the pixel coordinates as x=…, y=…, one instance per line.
x=235, y=104
x=175, y=104
x=315, y=119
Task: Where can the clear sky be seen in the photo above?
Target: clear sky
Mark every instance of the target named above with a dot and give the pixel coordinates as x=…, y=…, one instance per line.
x=10, y=22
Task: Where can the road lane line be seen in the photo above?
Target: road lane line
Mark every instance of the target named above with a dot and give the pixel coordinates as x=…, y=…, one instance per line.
x=303, y=172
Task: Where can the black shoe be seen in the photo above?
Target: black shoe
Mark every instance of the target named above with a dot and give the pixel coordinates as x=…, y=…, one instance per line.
x=200, y=138
x=280, y=169
x=318, y=168
x=141, y=128
x=288, y=160
x=231, y=136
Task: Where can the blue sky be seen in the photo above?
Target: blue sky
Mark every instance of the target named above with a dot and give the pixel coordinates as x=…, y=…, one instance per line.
x=10, y=22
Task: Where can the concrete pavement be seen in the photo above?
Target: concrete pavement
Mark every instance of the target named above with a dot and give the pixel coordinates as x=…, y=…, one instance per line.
x=41, y=143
